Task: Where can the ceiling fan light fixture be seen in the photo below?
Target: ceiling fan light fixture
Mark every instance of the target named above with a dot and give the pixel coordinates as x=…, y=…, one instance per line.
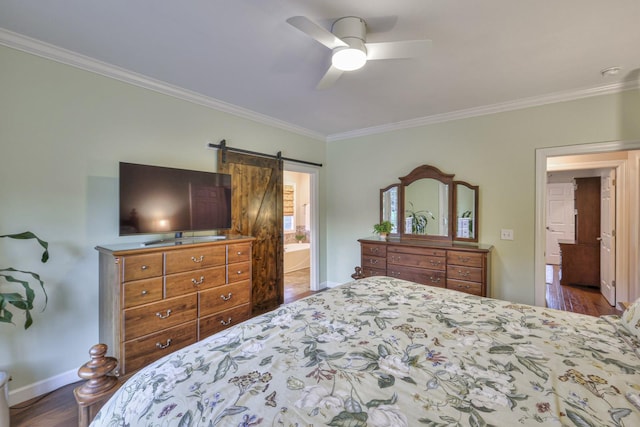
x=348, y=59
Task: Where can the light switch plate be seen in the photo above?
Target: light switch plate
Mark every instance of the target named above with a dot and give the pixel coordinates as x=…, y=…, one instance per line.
x=506, y=234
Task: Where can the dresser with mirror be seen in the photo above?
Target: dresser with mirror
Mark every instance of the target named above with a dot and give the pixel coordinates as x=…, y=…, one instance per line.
x=434, y=236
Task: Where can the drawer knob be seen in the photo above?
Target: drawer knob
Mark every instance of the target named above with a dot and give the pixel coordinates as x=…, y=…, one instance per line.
x=435, y=263
x=144, y=267
x=226, y=298
x=164, y=316
x=144, y=292
x=198, y=282
x=374, y=250
x=239, y=272
x=373, y=261
x=194, y=259
x=239, y=253
x=464, y=273
x=434, y=279
x=464, y=258
x=227, y=323
x=161, y=346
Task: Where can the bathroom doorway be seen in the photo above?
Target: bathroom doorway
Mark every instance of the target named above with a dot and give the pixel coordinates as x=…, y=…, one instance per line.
x=300, y=242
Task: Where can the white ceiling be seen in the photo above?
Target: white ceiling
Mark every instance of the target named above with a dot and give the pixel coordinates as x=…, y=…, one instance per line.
x=485, y=54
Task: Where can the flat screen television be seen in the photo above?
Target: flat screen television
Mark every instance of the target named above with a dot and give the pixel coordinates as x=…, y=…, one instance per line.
x=158, y=200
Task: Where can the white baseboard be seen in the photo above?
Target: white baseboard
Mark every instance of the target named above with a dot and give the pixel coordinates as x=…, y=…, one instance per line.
x=42, y=387
x=330, y=284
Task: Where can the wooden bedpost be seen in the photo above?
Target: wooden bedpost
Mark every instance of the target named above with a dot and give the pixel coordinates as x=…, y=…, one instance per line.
x=100, y=384
x=358, y=274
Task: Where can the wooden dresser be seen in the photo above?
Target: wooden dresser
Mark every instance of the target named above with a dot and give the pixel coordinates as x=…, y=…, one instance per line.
x=157, y=299
x=462, y=267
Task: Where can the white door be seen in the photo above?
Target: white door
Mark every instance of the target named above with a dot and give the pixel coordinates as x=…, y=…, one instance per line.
x=560, y=219
x=608, y=236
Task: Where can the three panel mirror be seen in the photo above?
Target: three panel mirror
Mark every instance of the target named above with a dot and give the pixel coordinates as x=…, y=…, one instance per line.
x=428, y=204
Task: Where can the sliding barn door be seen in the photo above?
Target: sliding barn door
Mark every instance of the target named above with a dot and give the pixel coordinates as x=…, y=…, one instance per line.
x=256, y=210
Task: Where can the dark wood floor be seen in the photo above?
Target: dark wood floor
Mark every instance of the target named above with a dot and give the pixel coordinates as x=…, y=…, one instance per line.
x=578, y=299
x=58, y=409
x=55, y=409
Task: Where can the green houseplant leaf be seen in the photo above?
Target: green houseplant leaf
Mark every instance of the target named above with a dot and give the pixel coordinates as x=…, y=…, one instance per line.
x=15, y=300
x=384, y=227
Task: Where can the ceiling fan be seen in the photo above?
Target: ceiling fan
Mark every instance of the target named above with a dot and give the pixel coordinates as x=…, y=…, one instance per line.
x=350, y=50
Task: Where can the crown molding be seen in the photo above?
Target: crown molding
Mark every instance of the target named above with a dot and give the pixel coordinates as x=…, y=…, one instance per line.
x=489, y=109
x=36, y=47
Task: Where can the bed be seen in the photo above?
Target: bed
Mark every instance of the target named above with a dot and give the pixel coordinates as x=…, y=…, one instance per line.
x=386, y=352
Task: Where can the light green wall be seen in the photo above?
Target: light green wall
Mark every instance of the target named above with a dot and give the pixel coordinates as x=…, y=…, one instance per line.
x=496, y=152
x=62, y=133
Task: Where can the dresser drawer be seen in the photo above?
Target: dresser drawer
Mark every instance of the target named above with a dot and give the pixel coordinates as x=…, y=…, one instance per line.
x=215, y=323
x=416, y=260
x=192, y=259
x=192, y=281
x=137, y=267
x=238, y=272
x=467, y=287
x=374, y=250
x=159, y=315
x=142, y=351
x=433, y=252
x=238, y=253
x=141, y=292
x=460, y=272
x=419, y=275
x=224, y=297
x=369, y=272
x=374, y=262
x=465, y=258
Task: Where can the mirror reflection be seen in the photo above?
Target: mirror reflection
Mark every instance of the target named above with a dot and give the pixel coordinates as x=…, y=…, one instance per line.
x=466, y=203
x=389, y=206
x=426, y=208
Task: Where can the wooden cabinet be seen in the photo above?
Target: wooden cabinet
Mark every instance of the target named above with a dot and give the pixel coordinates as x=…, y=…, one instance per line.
x=155, y=300
x=580, y=259
x=580, y=264
x=455, y=266
x=587, y=205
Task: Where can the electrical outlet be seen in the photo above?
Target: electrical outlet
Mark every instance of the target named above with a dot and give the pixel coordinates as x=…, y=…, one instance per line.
x=506, y=234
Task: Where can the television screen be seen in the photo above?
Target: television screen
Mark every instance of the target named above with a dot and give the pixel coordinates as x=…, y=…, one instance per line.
x=155, y=199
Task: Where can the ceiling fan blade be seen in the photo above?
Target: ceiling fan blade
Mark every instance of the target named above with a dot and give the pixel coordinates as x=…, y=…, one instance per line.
x=316, y=32
x=397, y=50
x=329, y=78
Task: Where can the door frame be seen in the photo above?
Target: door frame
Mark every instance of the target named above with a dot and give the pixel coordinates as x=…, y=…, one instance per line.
x=314, y=177
x=622, y=212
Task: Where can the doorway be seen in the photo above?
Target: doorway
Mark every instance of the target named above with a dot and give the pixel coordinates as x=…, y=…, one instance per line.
x=578, y=222
x=300, y=237
x=627, y=273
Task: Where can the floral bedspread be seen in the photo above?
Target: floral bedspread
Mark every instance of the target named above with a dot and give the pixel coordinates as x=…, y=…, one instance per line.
x=386, y=352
